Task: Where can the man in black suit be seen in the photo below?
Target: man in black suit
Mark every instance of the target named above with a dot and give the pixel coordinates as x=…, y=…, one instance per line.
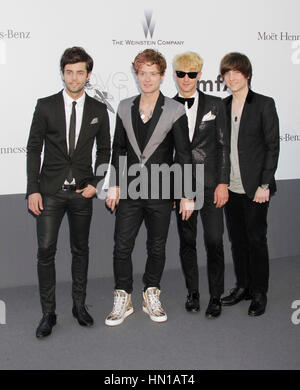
x=66, y=125
x=209, y=143
x=254, y=132
x=148, y=127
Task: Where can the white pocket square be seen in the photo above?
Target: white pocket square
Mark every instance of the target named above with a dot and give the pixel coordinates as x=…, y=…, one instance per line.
x=208, y=117
x=95, y=120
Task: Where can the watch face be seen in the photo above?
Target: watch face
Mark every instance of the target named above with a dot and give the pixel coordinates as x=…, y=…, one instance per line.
x=265, y=186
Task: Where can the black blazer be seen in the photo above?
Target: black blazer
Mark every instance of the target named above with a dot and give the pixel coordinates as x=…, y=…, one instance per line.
x=167, y=130
x=258, y=141
x=48, y=129
x=210, y=143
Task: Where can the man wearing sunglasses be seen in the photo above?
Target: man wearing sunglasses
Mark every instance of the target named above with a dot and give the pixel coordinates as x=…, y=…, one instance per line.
x=209, y=143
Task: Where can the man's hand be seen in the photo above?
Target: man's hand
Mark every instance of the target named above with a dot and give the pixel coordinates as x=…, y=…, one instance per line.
x=221, y=195
x=88, y=192
x=35, y=203
x=113, y=197
x=186, y=208
x=261, y=196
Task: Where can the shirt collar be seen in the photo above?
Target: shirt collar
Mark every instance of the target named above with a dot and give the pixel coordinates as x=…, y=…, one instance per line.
x=68, y=100
x=193, y=96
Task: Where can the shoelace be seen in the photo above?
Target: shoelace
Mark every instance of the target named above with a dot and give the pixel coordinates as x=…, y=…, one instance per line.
x=119, y=303
x=155, y=302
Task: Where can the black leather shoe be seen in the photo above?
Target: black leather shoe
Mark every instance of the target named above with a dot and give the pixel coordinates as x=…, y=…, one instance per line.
x=46, y=324
x=258, y=304
x=192, y=303
x=214, y=308
x=83, y=317
x=236, y=295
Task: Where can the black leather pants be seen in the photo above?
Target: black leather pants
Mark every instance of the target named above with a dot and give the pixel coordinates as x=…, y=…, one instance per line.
x=129, y=217
x=79, y=211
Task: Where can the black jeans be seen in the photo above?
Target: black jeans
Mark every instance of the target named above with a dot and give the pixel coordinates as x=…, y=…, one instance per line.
x=79, y=211
x=247, y=229
x=213, y=229
x=129, y=217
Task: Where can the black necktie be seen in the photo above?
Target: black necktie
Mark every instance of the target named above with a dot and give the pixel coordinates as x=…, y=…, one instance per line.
x=72, y=132
x=190, y=101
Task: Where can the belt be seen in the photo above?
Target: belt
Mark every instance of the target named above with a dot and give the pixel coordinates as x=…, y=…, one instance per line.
x=69, y=187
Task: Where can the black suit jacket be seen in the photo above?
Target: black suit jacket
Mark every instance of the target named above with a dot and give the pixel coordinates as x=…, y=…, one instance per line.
x=258, y=141
x=48, y=130
x=210, y=143
x=168, y=129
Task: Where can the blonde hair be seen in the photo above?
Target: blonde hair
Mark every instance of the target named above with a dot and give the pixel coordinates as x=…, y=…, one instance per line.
x=190, y=60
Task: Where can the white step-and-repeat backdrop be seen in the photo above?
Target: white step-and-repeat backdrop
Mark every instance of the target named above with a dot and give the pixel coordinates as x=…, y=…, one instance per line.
x=34, y=34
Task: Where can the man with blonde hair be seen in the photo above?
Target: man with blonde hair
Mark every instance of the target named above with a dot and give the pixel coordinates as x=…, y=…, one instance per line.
x=209, y=144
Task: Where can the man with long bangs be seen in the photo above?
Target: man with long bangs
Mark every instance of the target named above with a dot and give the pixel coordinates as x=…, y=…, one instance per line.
x=148, y=127
x=254, y=132
x=209, y=144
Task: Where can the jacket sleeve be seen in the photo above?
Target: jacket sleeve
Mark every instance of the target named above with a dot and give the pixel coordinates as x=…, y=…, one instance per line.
x=119, y=151
x=34, y=149
x=103, y=147
x=270, y=127
x=222, y=142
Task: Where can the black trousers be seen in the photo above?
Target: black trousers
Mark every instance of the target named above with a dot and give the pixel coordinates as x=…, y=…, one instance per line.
x=247, y=229
x=129, y=217
x=213, y=229
x=79, y=211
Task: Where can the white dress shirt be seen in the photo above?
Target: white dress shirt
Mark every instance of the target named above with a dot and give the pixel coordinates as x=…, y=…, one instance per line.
x=191, y=114
x=68, y=111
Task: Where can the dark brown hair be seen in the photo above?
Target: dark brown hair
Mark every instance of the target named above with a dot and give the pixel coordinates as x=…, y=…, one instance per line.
x=76, y=54
x=239, y=62
x=153, y=57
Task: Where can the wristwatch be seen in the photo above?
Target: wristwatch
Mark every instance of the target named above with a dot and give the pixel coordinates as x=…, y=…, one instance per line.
x=265, y=186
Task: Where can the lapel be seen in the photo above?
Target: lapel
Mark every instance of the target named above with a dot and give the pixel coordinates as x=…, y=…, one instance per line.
x=61, y=119
x=86, y=117
x=246, y=111
x=134, y=115
x=228, y=104
x=200, y=113
x=166, y=112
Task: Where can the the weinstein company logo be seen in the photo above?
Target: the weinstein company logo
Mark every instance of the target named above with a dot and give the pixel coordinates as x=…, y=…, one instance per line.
x=148, y=24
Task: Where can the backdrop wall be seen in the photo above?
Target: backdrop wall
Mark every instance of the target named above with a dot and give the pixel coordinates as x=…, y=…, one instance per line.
x=33, y=35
